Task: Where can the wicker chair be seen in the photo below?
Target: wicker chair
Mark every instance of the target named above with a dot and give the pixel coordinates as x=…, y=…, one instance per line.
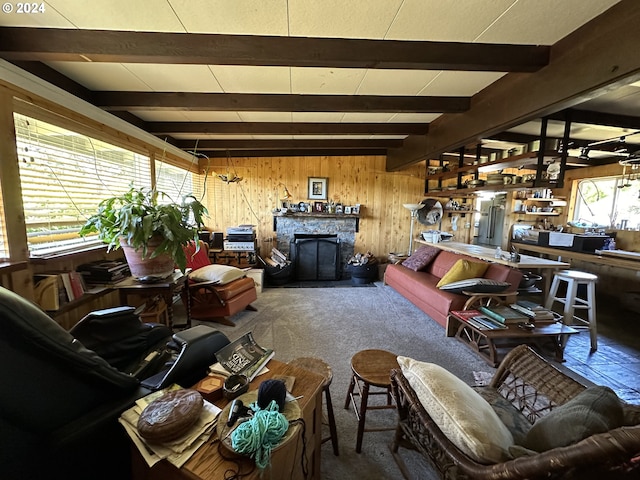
x=535, y=387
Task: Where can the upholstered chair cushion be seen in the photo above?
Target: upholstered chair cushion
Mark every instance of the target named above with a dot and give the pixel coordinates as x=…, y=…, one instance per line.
x=459, y=411
x=221, y=274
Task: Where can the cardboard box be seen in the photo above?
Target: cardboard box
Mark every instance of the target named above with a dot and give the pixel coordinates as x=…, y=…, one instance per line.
x=258, y=276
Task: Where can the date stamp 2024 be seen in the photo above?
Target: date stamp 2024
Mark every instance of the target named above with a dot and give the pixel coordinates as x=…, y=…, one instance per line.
x=23, y=8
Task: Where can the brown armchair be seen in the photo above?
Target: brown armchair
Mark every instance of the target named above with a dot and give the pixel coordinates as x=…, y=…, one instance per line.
x=214, y=300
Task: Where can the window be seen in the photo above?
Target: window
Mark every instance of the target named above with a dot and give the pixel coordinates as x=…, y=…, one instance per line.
x=64, y=175
x=177, y=182
x=608, y=202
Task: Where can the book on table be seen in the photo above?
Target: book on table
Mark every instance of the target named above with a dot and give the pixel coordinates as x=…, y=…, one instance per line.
x=477, y=319
x=504, y=314
x=534, y=311
x=243, y=356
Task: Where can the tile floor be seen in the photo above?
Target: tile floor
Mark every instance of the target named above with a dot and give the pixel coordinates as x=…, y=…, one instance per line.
x=616, y=362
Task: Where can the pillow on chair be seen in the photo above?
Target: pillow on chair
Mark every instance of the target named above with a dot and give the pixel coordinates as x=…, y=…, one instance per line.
x=221, y=274
x=460, y=412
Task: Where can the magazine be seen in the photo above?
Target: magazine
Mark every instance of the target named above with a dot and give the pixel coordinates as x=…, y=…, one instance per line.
x=242, y=357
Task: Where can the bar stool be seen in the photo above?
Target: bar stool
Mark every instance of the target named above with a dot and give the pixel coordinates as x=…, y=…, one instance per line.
x=371, y=368
x=321, y=368
x=574, y=279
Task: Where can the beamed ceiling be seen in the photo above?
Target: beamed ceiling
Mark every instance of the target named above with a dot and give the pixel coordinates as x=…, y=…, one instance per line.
x=410, y=79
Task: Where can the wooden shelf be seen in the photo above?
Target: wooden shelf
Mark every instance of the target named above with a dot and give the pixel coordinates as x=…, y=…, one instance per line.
x=547, y=214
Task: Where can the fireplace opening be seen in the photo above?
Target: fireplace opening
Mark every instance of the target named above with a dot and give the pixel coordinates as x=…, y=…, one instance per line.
x=316, y=256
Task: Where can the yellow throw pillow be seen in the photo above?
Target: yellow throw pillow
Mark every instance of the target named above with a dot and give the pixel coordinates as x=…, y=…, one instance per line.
x=462, y=270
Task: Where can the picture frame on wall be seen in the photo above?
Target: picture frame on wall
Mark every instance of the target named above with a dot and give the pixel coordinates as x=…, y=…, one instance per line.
x=317, y=188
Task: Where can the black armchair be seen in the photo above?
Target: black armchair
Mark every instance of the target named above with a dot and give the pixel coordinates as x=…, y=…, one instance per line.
x=60, y=402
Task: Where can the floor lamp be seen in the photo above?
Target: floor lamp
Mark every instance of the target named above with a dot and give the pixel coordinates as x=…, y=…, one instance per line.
x=413, y=208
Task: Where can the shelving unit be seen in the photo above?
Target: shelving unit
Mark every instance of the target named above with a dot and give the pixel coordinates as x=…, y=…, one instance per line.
x=527, y=163
x=538, y=203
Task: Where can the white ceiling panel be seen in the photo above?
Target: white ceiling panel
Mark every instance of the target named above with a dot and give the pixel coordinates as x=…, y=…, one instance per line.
x=147, y=15
x=242, y=79
x=339, y=18
x=208, y=136
x=316, y=116
x=265, y=116
x=414, y=117
x=438, y=20
x=175, y=78
x=463, y=84
x=101, y=76
x=365, y=117
x=395, y=82
x=49, y=18
x=255, y=17
x=196, y=116
x=543, y=22
x=327, y=81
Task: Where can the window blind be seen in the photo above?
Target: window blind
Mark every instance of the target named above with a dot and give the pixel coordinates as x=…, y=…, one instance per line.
x=64, y=175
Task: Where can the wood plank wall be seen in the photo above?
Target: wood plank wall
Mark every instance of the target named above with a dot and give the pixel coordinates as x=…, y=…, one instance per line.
x=384, y=224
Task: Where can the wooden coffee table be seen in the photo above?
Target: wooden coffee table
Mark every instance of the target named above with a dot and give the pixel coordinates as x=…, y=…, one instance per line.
x=491, y=345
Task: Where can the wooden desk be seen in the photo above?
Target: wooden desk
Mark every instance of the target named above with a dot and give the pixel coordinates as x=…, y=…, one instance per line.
x=208, y=464
x=165, y=288
x=546, y=266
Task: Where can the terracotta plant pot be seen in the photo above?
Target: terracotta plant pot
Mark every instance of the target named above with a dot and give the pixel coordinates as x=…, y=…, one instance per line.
x=148, y=268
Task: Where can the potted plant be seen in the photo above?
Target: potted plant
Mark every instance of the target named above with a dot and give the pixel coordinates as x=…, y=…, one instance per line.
x=151, y=233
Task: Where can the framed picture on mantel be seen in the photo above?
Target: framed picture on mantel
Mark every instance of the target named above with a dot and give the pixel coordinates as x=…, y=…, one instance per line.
x=318, y=188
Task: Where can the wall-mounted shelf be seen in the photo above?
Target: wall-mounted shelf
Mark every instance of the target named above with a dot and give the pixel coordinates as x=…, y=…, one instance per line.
x=548, y=214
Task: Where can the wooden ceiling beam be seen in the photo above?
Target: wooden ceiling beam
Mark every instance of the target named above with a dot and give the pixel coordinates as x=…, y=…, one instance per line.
x=286, y=128
x=595, y=59
x=325, y=144
x=274, y=102
x=313, y=152
x=69, y=45
x=600, y=118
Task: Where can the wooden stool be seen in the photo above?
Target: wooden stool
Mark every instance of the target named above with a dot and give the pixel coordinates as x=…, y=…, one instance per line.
x=371, y=368
x=571, y=301
x=318, y=366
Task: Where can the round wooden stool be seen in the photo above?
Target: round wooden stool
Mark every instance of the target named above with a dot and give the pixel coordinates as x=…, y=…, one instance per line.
x=371, y=368
x=571, y=301
x=320, y=367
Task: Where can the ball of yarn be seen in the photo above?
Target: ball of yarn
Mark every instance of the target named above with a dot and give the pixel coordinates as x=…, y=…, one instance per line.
x=272, y=390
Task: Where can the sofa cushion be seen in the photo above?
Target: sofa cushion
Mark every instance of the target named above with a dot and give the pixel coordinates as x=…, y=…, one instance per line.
x=421, y=258
x=476, y=285
x=463, y=270
x=460, y=412
x=595, y=410
x=221, y=274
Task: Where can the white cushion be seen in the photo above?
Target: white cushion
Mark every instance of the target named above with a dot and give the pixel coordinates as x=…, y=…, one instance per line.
x=220, y=274
x=460, y=412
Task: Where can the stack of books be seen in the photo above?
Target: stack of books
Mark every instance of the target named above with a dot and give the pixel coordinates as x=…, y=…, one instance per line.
x=104, y=272
x=478, y=320
x=534, y=311
x=504, y=314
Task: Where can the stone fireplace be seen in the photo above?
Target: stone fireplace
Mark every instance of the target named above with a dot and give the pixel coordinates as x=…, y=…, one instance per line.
x=344, y=227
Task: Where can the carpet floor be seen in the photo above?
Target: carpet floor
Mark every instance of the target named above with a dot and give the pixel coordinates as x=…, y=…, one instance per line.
x=335, y=323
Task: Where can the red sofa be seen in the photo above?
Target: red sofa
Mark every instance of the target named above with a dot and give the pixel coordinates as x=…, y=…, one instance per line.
x=420, y=287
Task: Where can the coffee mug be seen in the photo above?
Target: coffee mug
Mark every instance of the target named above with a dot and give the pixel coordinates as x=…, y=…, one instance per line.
x=507, y=180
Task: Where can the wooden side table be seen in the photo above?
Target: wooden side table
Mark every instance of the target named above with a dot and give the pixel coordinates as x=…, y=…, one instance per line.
x=166, y=288
x=207, y=463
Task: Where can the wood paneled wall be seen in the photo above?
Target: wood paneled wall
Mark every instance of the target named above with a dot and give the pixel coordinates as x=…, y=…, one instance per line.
x=384, y=224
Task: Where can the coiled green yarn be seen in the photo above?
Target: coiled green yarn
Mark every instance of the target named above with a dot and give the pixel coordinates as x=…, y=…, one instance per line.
x=257, y=436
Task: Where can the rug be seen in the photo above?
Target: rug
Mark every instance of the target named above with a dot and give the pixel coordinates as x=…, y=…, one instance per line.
x=334, y=324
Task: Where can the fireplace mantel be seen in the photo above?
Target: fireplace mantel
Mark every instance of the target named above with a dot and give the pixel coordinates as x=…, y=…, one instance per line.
x=316, y=215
